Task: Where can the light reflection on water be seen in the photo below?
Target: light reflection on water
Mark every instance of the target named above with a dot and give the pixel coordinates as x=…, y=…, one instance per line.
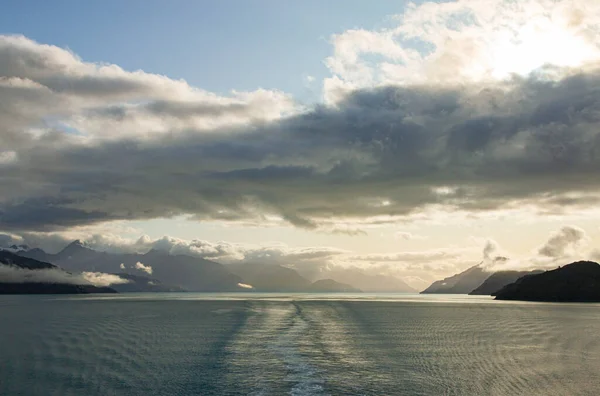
x=275, y=296
x=297, y=344
x=244, y=296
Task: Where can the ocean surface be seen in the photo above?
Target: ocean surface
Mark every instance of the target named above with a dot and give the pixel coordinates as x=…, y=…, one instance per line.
x=284, y=344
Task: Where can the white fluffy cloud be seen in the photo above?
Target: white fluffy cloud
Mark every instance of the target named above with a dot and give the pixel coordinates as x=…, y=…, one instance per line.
x=102, y=279
x=407, y=236
x=465, y=41
x=11, y=274
x=563, y=246
x=563, y=243
x=409, y=257
x=44, y=88
x=491, y=250
x=146, y=268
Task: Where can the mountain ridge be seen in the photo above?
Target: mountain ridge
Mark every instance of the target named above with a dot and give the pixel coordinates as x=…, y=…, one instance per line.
x=33, y=267
x=331, y=286
x=462, y=283
x=178, y=271
x=183, y=272
x=575, y=282
x=497, y=280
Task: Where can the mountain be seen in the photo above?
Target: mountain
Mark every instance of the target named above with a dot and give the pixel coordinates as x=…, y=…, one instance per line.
x=462, y=283
x=498, y=280
x=35, y=253
x=143, y=284
x=277, y=278
x=23, y=275
x=190, y=273
x=270, y=277
x=178, y=271
x=576, y=282
x=331, y=286
x=16, y=248
x=11, y=259
x=369, y=283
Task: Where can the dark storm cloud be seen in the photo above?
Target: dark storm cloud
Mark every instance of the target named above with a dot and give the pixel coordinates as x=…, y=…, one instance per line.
x=41, y=214
x=392, y=150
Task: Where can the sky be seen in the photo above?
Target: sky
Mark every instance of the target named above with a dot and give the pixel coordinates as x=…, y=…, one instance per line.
x=410, y=139
x=203, y=42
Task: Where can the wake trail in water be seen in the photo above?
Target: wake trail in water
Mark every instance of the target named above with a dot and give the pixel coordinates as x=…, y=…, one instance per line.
x=293, y=346
x=276, y=348
x=296, y=347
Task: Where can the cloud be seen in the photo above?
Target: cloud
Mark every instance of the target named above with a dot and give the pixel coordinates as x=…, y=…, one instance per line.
x=392, y=145
x=6, y=240
x=425, y=265
x=424, y=123
x=417, y=256
x=490, y=249
x=313, y=262
x=7, y=157
x=408, y=236
x=564, y=246
x=564, y=242
x=60, y=88
x=102, y=279
x=221, y=251
x=464, y=41
x=11, y=274
x=146, y=268
x=344, y=230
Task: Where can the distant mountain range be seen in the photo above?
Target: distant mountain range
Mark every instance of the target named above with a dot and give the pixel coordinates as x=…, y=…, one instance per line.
x=158, y=271
x=269, y=277
x=476, y=280
x=462, y=283
x=331, y=286
x=143, y=284
x=31, y=271
x=12, y=259
x=276, y=278
x=575, y=282
x=183, y=272
x=369, y=283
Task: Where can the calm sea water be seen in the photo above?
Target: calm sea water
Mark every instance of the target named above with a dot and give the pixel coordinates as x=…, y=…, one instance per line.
x=199, y=344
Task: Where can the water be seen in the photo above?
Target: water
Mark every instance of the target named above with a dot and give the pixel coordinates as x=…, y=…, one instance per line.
x=218, y=344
